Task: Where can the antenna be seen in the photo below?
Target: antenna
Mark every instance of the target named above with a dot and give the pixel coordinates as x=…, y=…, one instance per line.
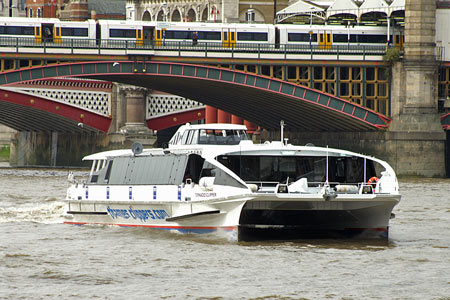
x=282, y=124
x=137, y=148
x=326, y=178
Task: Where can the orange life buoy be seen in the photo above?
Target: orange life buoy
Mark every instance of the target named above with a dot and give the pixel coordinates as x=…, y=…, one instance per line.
x=373, y=180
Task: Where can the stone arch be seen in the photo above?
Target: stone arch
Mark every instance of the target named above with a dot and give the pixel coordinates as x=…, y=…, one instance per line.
x=146, y=16
x=259, y=17
x=191, y=16
x=204, y=17
x=160, y=16
x=176, y=16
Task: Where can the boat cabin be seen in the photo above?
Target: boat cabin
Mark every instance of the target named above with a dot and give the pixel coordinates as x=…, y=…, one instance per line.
x=209, y=134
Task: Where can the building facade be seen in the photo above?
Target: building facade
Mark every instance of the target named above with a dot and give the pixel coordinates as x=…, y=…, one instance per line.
x=12, y=8
x=227, y=11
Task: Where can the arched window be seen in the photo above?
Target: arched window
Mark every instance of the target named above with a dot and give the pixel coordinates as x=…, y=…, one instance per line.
x=205, y=14
x=39, y=13
x=160, y=16
x=176, y=17
x=146, y=16
x=30, y=14
x=191, y=16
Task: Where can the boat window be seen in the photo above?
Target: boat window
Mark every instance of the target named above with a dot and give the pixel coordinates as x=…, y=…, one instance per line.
x=194, y=168
x=192, y=137
x=314, y=168
x=185, y=137
x=158, y=169
x=108, y=171
x=221, y=177
x=221, y=136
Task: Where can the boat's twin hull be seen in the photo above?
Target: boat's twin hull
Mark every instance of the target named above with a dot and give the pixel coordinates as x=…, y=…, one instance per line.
x=259, y=217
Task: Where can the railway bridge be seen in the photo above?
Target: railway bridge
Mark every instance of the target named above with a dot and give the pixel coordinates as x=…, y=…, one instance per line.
x=348, y=98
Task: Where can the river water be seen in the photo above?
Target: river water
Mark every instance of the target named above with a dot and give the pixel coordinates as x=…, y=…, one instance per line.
x=41, y=258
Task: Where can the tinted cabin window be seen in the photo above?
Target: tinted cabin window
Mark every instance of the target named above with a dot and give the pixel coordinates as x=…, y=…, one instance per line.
x=221, y=137
x=158, y=169
x=221, y=177
x=278, y=169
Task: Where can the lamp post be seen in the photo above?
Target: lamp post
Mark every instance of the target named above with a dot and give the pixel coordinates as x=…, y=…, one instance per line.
x=348, y=34
x=310, y=25
x=388, y=30
x=11, y=9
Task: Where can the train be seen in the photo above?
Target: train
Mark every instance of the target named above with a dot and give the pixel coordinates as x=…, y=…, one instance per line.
x=227, y=35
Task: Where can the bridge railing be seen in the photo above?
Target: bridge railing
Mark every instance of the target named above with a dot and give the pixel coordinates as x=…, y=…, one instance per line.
x=15, y=44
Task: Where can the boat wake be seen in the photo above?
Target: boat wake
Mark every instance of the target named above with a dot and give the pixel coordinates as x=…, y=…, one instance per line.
x=49, y=212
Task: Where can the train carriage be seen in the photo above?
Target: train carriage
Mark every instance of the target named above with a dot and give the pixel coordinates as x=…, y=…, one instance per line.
x=121, y=34
x=46, y=30
x=133, y=33
x=324, y=37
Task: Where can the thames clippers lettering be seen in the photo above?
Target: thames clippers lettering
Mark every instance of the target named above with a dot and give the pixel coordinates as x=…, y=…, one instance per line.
x=141, y=214
x=205, y=194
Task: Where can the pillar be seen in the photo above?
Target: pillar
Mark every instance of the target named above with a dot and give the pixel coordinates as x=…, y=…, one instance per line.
x=135, y=110
x=210, y=114
x=230, y=11
x=251, y=127
x=236, y=120
x=223, y=116
x=415, y=140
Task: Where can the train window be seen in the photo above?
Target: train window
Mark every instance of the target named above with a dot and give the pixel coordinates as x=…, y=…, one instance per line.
x=122, y=33
x=372, y=38
x=16, y=30
x=340, y=38
x=343, y=38
x=252, y=36
x=178, y=35
x=210, y=36
x=301, y=37
x=74, y=31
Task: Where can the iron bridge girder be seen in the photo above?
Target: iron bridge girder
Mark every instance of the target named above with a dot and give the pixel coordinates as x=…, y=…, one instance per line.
x=259, y=99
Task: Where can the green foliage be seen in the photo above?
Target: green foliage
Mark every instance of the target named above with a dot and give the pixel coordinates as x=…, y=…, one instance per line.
x=392, y=55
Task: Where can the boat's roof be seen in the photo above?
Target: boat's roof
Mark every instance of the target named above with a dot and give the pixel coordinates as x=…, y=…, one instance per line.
x=215, y=126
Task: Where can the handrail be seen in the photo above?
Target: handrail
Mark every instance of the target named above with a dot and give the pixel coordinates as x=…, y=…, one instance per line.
x=186, y=46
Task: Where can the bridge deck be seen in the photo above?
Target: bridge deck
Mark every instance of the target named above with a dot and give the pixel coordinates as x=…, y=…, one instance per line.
x=258, y=99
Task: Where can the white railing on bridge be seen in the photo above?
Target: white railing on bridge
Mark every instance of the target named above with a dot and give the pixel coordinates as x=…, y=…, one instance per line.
x=187, y=49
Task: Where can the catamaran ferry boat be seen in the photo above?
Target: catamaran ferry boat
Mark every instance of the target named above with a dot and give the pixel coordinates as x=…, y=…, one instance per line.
x=213, y=177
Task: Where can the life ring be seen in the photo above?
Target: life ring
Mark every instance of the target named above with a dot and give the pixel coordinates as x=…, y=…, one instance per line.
x=373, y=180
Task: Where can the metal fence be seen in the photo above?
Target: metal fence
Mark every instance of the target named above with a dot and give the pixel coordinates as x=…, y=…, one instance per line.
x=181, y=48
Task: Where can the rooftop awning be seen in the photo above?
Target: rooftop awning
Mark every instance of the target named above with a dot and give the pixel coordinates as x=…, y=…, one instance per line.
x=300, y=8
x=340, y=7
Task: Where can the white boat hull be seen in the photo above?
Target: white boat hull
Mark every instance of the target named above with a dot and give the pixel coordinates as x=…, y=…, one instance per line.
x=199, y=217
x=263, y=216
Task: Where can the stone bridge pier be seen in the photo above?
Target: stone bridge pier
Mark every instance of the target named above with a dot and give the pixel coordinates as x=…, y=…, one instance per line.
x=415, y=140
